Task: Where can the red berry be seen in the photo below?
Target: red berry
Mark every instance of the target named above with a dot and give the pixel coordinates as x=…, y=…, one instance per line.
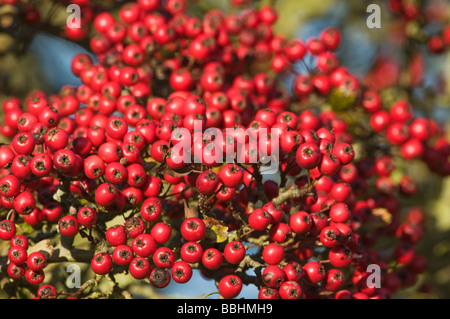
x=230, y=286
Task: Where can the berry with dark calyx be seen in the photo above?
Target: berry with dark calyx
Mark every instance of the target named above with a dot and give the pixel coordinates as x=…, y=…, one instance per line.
x=290, y=290
x=212, y=259
x=273, y=276
x=230, y=286
x=122, y=255
x=193, y=229
x=139, y=267
x=101, y=263
x=191, y=252
x=36, y=261
x=163, y=257
x=134, y=226
x=68, y=226
x=7, y=229
x=207, y=182
x=234, y=252
x=259, y=219
x=181, y=272
x=17, y=255
x=47, y=292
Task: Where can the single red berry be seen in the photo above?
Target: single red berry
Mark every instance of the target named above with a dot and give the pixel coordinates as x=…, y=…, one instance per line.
x=7, y=229
x=34, y=277
x=116, y=235
x=47, y=292
x=68, y=226
x=273, y=276
x=193, y=229
x=207, y=182
x=161, y=232
x=36, y=261
x=163, y=257
x=230, y=286
x=16, y=271
x=87, y=216
x=212, y=259
x=259, y=219
x=122, y=255
x=314, y=271
x=101, y=263
x=191, y=252
x=273, y=253
x=181, y=272
x=144, y=245
x=234, y=252
x=290, y=290
x=17, y=255
x=139, y=268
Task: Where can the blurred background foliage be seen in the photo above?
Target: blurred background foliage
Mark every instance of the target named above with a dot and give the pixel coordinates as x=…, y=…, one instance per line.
x=34, y=56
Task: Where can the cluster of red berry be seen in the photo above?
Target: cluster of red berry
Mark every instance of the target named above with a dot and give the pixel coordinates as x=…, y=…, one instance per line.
x=107, y=148
x=418, y=16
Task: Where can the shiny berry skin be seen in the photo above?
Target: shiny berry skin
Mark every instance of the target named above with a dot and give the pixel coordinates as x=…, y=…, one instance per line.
x=280, y=232
x=341, y=192
x=68, y=226
x=344, y=152
x=339, y=213
x=122, y=255
x=191, y=252
x=308, y=155
x=116, y=235
x=231, y=175
x=151, y=209
x=87, y=216
x=19, y=240
x=7, y=229
x=290, y=290
x=259, y=219
x=16, y=271
x=101, y=264
x=234, y=252
x=330, y=236
x=300, y=222
x=193, y=229
x=24, y=203
x=181, y=272
x=17, y=255
x=36, y=261
x=273, y=253
x=9, y=186
x=144, y=245
x=230, y=286
x=161, y=232
x=139, y=268
x=335, y=280
x=34, y=277
x=273, y=276
x=212, y=259
x=207, y=182
x=23, y=143
x=163, y=257
x=314, y=272
x=340, y=256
